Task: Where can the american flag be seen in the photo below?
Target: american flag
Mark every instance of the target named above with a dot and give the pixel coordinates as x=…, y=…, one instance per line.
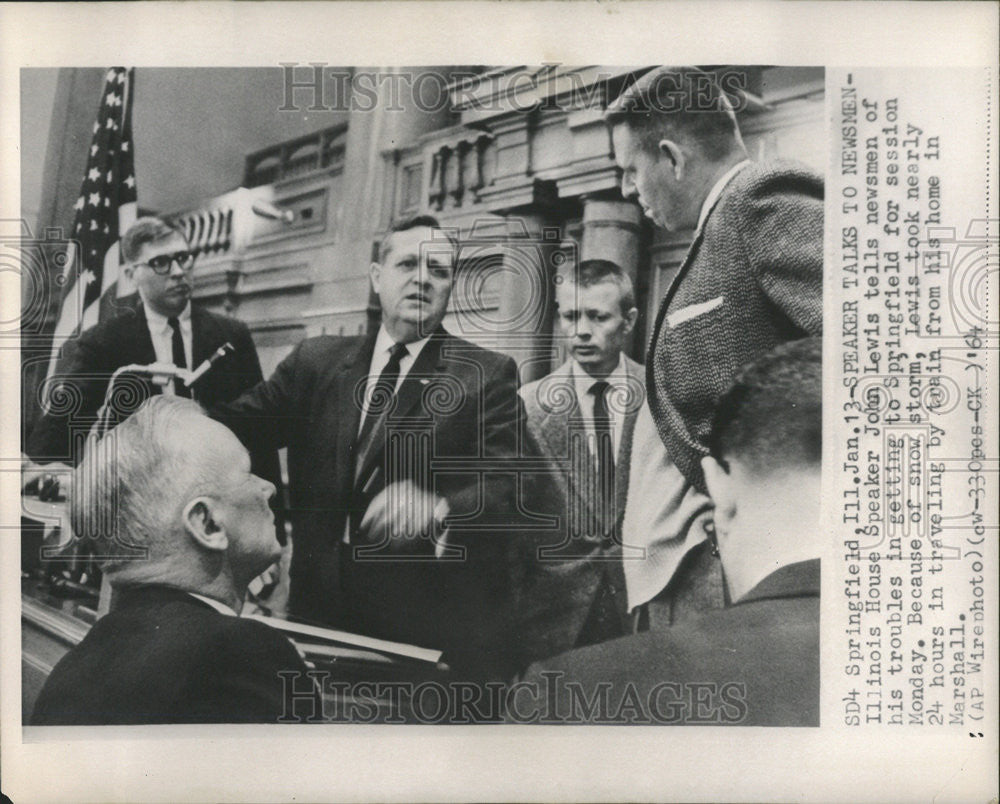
x=93, y=282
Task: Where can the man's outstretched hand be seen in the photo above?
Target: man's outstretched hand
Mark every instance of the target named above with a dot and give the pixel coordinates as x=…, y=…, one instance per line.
x=402, y=512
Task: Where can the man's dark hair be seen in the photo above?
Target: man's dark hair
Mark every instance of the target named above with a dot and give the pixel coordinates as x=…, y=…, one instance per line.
x=415, y=222
x=592, y=272
x=772, y=415
x=678, y=103
x=147, y=230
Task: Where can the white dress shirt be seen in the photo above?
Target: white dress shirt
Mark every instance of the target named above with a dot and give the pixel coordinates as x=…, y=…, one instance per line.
x=663, y=514
x=218, y=605
x=162, y=335
x=380, y=357
x=618, y=380
x=716, y=191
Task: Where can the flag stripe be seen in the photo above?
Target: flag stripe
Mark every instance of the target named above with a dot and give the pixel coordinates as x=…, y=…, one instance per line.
x=104, y=209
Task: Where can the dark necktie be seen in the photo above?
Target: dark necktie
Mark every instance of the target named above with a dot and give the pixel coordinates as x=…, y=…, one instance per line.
x=605, y=450
x=605, y=619
x=177, y=347
x=383, y=392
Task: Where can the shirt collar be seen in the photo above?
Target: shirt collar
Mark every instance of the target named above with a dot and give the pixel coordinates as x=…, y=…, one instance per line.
x=583, y=382
x=716, y=191
x=159, y=323
x=384, y=342
x=218, y=605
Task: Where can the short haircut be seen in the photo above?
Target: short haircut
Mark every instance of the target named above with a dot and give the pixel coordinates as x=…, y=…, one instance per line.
x=771, y=418
x=678, y=103
x=147, y=230
x=416, y=222
x=128, y=488
x=593, y=272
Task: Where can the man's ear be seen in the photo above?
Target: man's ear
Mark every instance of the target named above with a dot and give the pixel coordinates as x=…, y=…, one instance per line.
x=672, y=150
x=201, y=524
x=630, y=319
x=375, y=271
x=720, y=489
x=129, y=270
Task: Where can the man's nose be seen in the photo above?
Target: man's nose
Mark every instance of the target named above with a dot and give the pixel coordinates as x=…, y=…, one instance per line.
x=176, y=269
x=423, y=276
x=268, y=487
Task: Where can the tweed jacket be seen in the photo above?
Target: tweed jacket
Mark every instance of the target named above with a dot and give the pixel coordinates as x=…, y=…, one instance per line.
x=752, y=279
x=755, y=663
x=570, y=564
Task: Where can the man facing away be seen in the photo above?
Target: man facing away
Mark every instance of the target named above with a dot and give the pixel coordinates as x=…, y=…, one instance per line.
x=185, y=526
x=756, y=662
x=751, y=279
x=398, y=452
x=582, y=416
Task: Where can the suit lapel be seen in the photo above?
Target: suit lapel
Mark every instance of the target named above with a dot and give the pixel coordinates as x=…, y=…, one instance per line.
x=560, y=429
x=344, y=415
x=142, y=341
x=661, y=314
x=555, y=424
x=624, y=460
x=429, y=363
x=206, y=336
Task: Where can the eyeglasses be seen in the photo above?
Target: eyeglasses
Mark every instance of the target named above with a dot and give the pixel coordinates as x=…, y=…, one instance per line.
x=161, y=262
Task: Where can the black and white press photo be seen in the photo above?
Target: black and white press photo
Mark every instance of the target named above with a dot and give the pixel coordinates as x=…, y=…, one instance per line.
x=399, y=405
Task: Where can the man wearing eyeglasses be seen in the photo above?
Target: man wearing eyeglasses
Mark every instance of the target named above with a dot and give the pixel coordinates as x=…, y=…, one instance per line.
x=163, y=328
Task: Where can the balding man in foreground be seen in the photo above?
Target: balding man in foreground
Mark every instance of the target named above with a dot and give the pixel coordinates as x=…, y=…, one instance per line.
x=184, y=526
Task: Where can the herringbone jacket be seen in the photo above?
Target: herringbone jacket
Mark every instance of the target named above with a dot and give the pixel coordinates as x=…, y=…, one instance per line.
x=752, y=279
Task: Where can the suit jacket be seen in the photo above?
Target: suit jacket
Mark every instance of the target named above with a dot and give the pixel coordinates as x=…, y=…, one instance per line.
x=453, y=429
x=752, y=279
x=765, y=647
x=87, y=363
x=163, y=656
x=569, y=569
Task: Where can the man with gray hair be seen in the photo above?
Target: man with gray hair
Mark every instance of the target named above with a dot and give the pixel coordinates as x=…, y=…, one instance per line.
x=183, y=526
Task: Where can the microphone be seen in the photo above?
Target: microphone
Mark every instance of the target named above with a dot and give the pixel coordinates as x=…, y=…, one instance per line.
x=159, y=373
x=226, y=349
